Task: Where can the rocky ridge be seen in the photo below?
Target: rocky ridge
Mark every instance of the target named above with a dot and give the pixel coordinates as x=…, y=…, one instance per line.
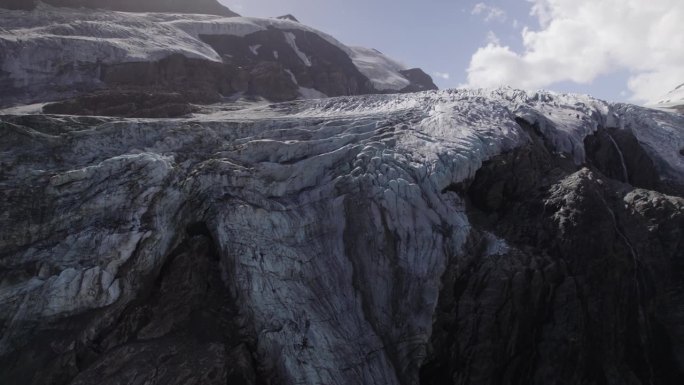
x=453, y=237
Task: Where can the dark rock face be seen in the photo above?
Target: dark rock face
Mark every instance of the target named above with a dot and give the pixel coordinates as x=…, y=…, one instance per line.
x=331, y=71
x=122, y=103
x=18, y=4
x=420, y=81
x=606, y=151
x=211, y=7
x=271, y=80
x=578, y=297
x=183, y=329
x=169, y=87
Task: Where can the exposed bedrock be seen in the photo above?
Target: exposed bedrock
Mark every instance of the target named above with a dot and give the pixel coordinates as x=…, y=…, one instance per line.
x=582, y=284
x=420, y=81
x=388, y=239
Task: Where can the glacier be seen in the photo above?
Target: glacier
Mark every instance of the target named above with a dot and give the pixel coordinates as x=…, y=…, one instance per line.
x=335, y=221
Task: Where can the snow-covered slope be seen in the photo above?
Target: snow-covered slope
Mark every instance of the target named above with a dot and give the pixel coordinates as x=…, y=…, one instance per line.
x=674, y=98
x=381, y=70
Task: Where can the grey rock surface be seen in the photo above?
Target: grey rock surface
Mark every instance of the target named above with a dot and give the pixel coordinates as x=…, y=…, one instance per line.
x=440, y=237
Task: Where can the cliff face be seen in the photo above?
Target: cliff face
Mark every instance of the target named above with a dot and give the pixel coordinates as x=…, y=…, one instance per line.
x=211, y=7
x=451, y=237
x=96, y=62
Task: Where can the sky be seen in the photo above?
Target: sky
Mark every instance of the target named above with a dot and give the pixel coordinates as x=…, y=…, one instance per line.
x=618, y=50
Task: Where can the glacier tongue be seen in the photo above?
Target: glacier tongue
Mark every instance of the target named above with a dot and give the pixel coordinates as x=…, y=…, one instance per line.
x=331, y=216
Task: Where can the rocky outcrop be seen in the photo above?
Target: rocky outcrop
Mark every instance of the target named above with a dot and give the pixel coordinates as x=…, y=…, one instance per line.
x=211, y=7
x=122, y=103
x=574, y=292
x=420, y=81
x=451, y=237
x=316, y=64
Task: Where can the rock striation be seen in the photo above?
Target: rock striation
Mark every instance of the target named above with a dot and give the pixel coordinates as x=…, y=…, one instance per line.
x=452, y=237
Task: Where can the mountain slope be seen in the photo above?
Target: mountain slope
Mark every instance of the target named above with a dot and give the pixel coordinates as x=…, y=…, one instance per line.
x=451, y=237
x=56, y=53
x=211, y=7
x=673, y=100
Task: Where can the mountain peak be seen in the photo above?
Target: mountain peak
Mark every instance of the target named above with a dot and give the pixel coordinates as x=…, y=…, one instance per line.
x=288, y=17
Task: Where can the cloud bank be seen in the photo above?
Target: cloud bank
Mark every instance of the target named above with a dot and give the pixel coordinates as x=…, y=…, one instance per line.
x=579, y=40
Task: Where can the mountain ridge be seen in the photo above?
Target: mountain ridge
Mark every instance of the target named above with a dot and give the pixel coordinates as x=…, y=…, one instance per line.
x=173, y=6
x=84, y=55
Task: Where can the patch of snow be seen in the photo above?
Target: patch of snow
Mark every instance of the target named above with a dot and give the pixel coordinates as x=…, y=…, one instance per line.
x=382, y=71
x=311, y=93
x=197, y=25
x=29, y=109
x=275, y=55
x=291, y=40
x=495, y=245
x=292, y=76
x=255, y=49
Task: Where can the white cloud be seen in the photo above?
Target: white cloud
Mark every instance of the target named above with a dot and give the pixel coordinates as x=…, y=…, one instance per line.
x=489, y=12
x=492, y=38
x=441, y=75
x=579, y=40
